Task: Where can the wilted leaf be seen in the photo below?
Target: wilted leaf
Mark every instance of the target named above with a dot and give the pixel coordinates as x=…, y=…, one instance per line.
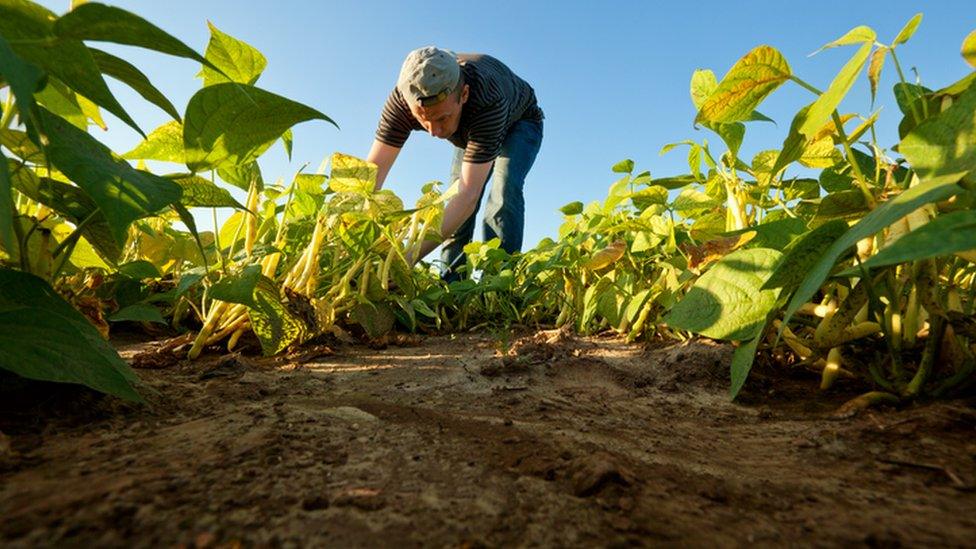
x=748, y=82
x=702, y=255
x=607, y=256
x=874, y=69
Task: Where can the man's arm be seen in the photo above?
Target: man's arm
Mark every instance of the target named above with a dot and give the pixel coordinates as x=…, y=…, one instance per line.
x=383, y=156
x=462, y=205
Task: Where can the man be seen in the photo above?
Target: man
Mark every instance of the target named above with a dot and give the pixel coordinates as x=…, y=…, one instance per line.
x=491, y=116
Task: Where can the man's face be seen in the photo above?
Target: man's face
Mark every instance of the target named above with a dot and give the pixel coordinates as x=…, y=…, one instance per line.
x=442, y=119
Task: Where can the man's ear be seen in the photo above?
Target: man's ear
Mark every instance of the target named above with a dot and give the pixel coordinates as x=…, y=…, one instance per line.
x=464, y=94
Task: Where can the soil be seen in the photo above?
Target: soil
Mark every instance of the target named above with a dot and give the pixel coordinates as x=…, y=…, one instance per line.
x=556, y=441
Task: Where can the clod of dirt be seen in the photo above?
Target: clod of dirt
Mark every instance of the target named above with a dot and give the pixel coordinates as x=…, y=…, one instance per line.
x=232, y=365
x=540, y=348
x=702, y=364
x=557, y=336
x=315, y=503
x=302, y=354
x=506, y=365
x=395, y=339
x=597, y=471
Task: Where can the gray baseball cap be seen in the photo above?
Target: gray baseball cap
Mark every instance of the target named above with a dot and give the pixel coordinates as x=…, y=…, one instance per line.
x=428, y=76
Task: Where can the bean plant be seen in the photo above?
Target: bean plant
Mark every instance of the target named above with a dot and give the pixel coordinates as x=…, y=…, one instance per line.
x=835, y=253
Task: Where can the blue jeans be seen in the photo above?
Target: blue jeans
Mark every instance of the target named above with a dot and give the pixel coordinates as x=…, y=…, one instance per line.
x=505, y=209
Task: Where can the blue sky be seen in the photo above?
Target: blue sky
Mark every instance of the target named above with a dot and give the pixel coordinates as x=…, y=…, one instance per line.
x=612, y=77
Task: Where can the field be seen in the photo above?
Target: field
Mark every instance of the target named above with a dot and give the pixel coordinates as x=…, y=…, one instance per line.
x=778, y=349
x=584, y=441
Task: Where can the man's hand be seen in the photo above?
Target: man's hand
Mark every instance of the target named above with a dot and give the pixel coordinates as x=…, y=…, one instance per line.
x=461, y=206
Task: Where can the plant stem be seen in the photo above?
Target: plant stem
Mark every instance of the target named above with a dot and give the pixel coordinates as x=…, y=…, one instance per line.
x=858, y=176
x=852, y=160
x=8, y=111
x=806, y=86
x=901, y=77
x=67, y=246
x=220, y=251
x=937, y=328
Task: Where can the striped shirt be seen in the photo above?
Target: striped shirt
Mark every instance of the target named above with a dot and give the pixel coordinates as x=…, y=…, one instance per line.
x=497, y=99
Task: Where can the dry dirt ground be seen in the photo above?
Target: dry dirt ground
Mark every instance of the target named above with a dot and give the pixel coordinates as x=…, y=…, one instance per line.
x=560, y=442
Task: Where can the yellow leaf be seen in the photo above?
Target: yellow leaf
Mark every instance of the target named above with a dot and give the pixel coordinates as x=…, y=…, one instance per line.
x=748, y=82
x=821, y=153
x=829, y=128
x=874, y=69
x=969, y=48
x=351, y=174
x=610, y=254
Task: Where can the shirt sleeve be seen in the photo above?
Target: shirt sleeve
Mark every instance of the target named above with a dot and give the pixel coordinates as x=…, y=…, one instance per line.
x=487, y=134
x=396, y=122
